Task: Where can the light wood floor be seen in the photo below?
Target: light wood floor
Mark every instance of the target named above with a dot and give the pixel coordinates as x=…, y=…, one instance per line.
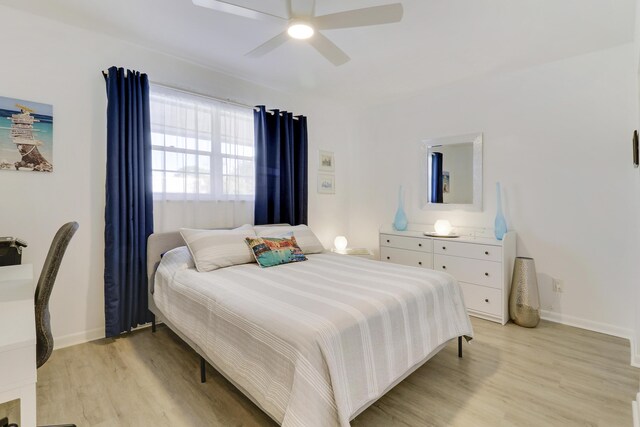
x=553, y=375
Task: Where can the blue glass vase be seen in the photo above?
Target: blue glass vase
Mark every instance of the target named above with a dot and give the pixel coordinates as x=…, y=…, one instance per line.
x=500, y=225
x=400, y=221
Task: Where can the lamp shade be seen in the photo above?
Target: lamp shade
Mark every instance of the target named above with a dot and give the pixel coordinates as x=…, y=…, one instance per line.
x=340, y=243
x=442, y=227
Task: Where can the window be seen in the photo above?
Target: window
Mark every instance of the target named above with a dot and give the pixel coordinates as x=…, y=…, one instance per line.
x=202, y=148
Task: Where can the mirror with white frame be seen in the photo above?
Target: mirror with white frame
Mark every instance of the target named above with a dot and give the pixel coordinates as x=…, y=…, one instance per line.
x=452, y=173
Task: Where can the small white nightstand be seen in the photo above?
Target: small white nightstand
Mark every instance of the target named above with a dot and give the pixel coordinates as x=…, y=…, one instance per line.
x=361, y=252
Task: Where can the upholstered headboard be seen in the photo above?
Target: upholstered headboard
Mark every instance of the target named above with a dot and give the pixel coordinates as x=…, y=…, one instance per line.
x=157, y=245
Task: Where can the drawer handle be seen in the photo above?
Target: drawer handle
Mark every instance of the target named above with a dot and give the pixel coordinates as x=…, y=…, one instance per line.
x=486, y=300
x=420, y=244
x=486, y=274
x=388, y=257
x=444, y=248
x=387, y=240
x=486, y=252
x=419, y=262
x=444, y=267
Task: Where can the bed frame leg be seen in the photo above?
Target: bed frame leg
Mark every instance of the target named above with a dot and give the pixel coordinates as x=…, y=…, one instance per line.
x=153, y=323
x=459, y=346
x=203, y=370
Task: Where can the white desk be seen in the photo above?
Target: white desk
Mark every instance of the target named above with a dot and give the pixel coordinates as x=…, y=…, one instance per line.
x=18, y=340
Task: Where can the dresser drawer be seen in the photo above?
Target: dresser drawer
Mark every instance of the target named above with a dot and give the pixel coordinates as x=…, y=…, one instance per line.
x=481, y=298
x=405, y=257
x=487, y=273
x=468, y=250
x=403, y=242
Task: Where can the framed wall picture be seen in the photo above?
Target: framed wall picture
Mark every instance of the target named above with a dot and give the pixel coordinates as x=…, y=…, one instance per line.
x=445, y=182
x=326, y=183
x=326, y=161
x=26, y=135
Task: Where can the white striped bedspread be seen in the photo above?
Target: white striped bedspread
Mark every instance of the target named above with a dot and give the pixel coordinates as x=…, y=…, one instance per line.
x=315, y=341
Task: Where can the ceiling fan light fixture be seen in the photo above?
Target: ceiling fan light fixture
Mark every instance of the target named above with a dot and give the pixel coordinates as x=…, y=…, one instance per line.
x=300, y=30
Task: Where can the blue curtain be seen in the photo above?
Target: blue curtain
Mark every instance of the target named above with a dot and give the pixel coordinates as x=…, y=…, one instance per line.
x=129, y=201
x=281, y=167
x=436, y=178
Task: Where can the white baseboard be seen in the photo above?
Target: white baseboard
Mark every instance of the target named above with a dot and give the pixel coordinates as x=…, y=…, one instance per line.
x=578, y=322
x=83, y=337
x=603, y=328
x=635, y=353
x=77, y=338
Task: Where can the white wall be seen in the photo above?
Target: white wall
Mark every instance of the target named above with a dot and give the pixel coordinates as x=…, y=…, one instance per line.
x=557, y=136
x=53, y=63
x=636, y=90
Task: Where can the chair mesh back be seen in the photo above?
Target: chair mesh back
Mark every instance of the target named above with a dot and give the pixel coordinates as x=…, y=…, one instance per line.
x=45, y=286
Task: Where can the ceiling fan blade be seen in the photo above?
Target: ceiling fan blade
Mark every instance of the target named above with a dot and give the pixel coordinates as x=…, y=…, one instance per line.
x=289, y=8
x=268, y=46
x=234, y=9
x=375, y=15
x=303, y=8
x=329, y=50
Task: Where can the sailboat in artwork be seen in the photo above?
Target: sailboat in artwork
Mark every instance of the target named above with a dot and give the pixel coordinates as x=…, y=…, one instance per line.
x=22, y=134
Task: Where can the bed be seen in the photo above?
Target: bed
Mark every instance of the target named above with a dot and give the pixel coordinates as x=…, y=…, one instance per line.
x=312, y=343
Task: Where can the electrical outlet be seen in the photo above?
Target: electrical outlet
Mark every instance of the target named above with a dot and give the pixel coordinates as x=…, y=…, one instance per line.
x=558, y=286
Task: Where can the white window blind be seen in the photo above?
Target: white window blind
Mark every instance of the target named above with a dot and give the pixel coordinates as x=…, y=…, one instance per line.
x=202, y=148
x=203, y=161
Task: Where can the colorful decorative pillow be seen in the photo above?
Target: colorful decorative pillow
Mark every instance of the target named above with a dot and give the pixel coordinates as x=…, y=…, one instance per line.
x=306, y=239
x=213, y=249
x=270, y=251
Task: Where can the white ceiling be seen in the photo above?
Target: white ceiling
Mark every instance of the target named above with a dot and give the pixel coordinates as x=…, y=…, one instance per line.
x=438, y=41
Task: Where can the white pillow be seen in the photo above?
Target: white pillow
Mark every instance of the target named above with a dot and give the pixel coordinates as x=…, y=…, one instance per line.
x=213, y=249
x=265, y=227
x=178, y=258
x=307, y=241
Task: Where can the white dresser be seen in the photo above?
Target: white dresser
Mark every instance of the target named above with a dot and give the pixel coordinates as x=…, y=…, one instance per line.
x=482, y=265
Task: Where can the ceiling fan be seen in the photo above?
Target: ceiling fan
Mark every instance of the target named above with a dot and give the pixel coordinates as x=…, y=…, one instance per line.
x=304, y=25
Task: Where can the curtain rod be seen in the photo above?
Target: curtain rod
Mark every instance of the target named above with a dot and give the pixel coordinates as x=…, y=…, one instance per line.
x=202, y=95
x=226, y=101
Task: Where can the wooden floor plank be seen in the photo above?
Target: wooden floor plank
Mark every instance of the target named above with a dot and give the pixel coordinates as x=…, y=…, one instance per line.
x=553, y=375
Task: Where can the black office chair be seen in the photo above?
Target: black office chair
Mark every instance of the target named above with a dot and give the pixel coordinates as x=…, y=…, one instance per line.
x=44, y=343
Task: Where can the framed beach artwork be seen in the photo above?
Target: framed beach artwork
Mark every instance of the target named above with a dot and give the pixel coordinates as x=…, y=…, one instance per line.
x=26, y=135
x=326, y=161
x=326, y=183
x=446, y=182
